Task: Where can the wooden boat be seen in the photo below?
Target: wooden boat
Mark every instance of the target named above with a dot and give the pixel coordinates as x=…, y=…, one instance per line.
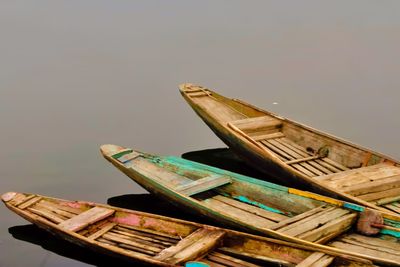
x=264, y=208
x=163, y=241
x=297, y=153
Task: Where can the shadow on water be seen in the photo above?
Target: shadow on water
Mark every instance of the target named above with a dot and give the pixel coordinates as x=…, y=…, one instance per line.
x=33, y=234
x=225, y=159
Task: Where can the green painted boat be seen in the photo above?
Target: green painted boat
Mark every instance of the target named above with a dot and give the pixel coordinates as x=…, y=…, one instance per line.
x=162, y=241
x=297, y=154
x=263, y=208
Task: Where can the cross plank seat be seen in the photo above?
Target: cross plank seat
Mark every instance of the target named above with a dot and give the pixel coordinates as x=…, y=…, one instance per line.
x=372, y=183
x=191, y=247
x=317, y=225
x=317, y=259
x=244, y=212
x=383, y=248
x=257, y=124
x=203, y=184
x=85, y=218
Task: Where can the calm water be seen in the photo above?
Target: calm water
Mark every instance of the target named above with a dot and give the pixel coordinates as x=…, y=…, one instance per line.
x=77, y=74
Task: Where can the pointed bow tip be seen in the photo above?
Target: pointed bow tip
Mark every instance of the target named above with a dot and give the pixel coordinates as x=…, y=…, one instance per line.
x=108, y=150
x=8, y=196
x=184, y=86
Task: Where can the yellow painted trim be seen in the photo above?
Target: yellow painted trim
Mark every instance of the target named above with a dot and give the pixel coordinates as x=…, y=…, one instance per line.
x=315, y=196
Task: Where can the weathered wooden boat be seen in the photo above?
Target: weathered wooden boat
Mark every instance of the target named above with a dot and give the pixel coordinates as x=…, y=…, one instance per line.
x=163, y=241
x=293, y=152
x=264, y=208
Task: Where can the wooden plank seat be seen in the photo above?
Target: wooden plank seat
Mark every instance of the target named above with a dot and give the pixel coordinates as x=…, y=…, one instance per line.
x=317, y=225
x=85, y=218
x=257, y=124
x=203, y=184
x=244, y=212
x=191, y=247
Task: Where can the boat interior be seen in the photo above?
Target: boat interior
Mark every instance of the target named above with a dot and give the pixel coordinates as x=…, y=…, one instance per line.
x=161, y=239
x=255, y=203
x=334, y=163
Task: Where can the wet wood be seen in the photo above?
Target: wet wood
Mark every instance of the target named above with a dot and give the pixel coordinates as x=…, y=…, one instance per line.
x=276, y=217
x=85, y=218
x=203, y=184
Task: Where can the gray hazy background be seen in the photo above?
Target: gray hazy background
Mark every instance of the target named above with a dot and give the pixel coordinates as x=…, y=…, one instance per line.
x=77, y=74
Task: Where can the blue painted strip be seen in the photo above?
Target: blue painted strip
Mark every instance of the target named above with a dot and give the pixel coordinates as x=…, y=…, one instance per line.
x=353, y=206
x=392, y=223
x=196, y=264
x=390, y=232
x=258, y=204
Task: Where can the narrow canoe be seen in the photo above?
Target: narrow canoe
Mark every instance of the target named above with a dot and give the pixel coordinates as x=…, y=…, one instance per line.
x=162, y=241
x=293, y=152
x=264, y=208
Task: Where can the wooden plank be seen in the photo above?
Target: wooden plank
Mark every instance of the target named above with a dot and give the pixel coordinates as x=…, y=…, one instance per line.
x=313, y=222
x=378, y=195
x=386, y=200
x=299, y=217
x=149, y=231
x=303, y=170
x=256, y=123
x=285, y=149
x=203, y=184
x=320, y=167
x=187, y=241
x=145, y=238
x=104, y=229
x=48, y=215
x=85, y=218
x=374, y=186
x=328, y=166
x=276, y=150
x=229, y=261
x=267, y=136
x=302, y=159
x=21, y=198
x=325, y=261
x=211, y=263
x=365, y=251
x=392, y=208
x=368, y=245
x=237, y=214
x=128, y=157
x=30, y=202
x=395, y=245
x=55, y=210
x=255, y=210
x=335, y=164
x=138, y=240
x=311, y=168
x=338, y=225
x=119, y=239
x=310, y=260
x=197, y=249
x=59, y=206
x=267, y=261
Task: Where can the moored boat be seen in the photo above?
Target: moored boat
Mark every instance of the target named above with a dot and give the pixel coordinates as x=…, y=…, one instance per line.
x=264, y=208
x=293, y=152
x=162, y=241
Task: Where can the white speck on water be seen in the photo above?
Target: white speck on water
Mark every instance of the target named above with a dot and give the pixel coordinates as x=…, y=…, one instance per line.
x=275, y=103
